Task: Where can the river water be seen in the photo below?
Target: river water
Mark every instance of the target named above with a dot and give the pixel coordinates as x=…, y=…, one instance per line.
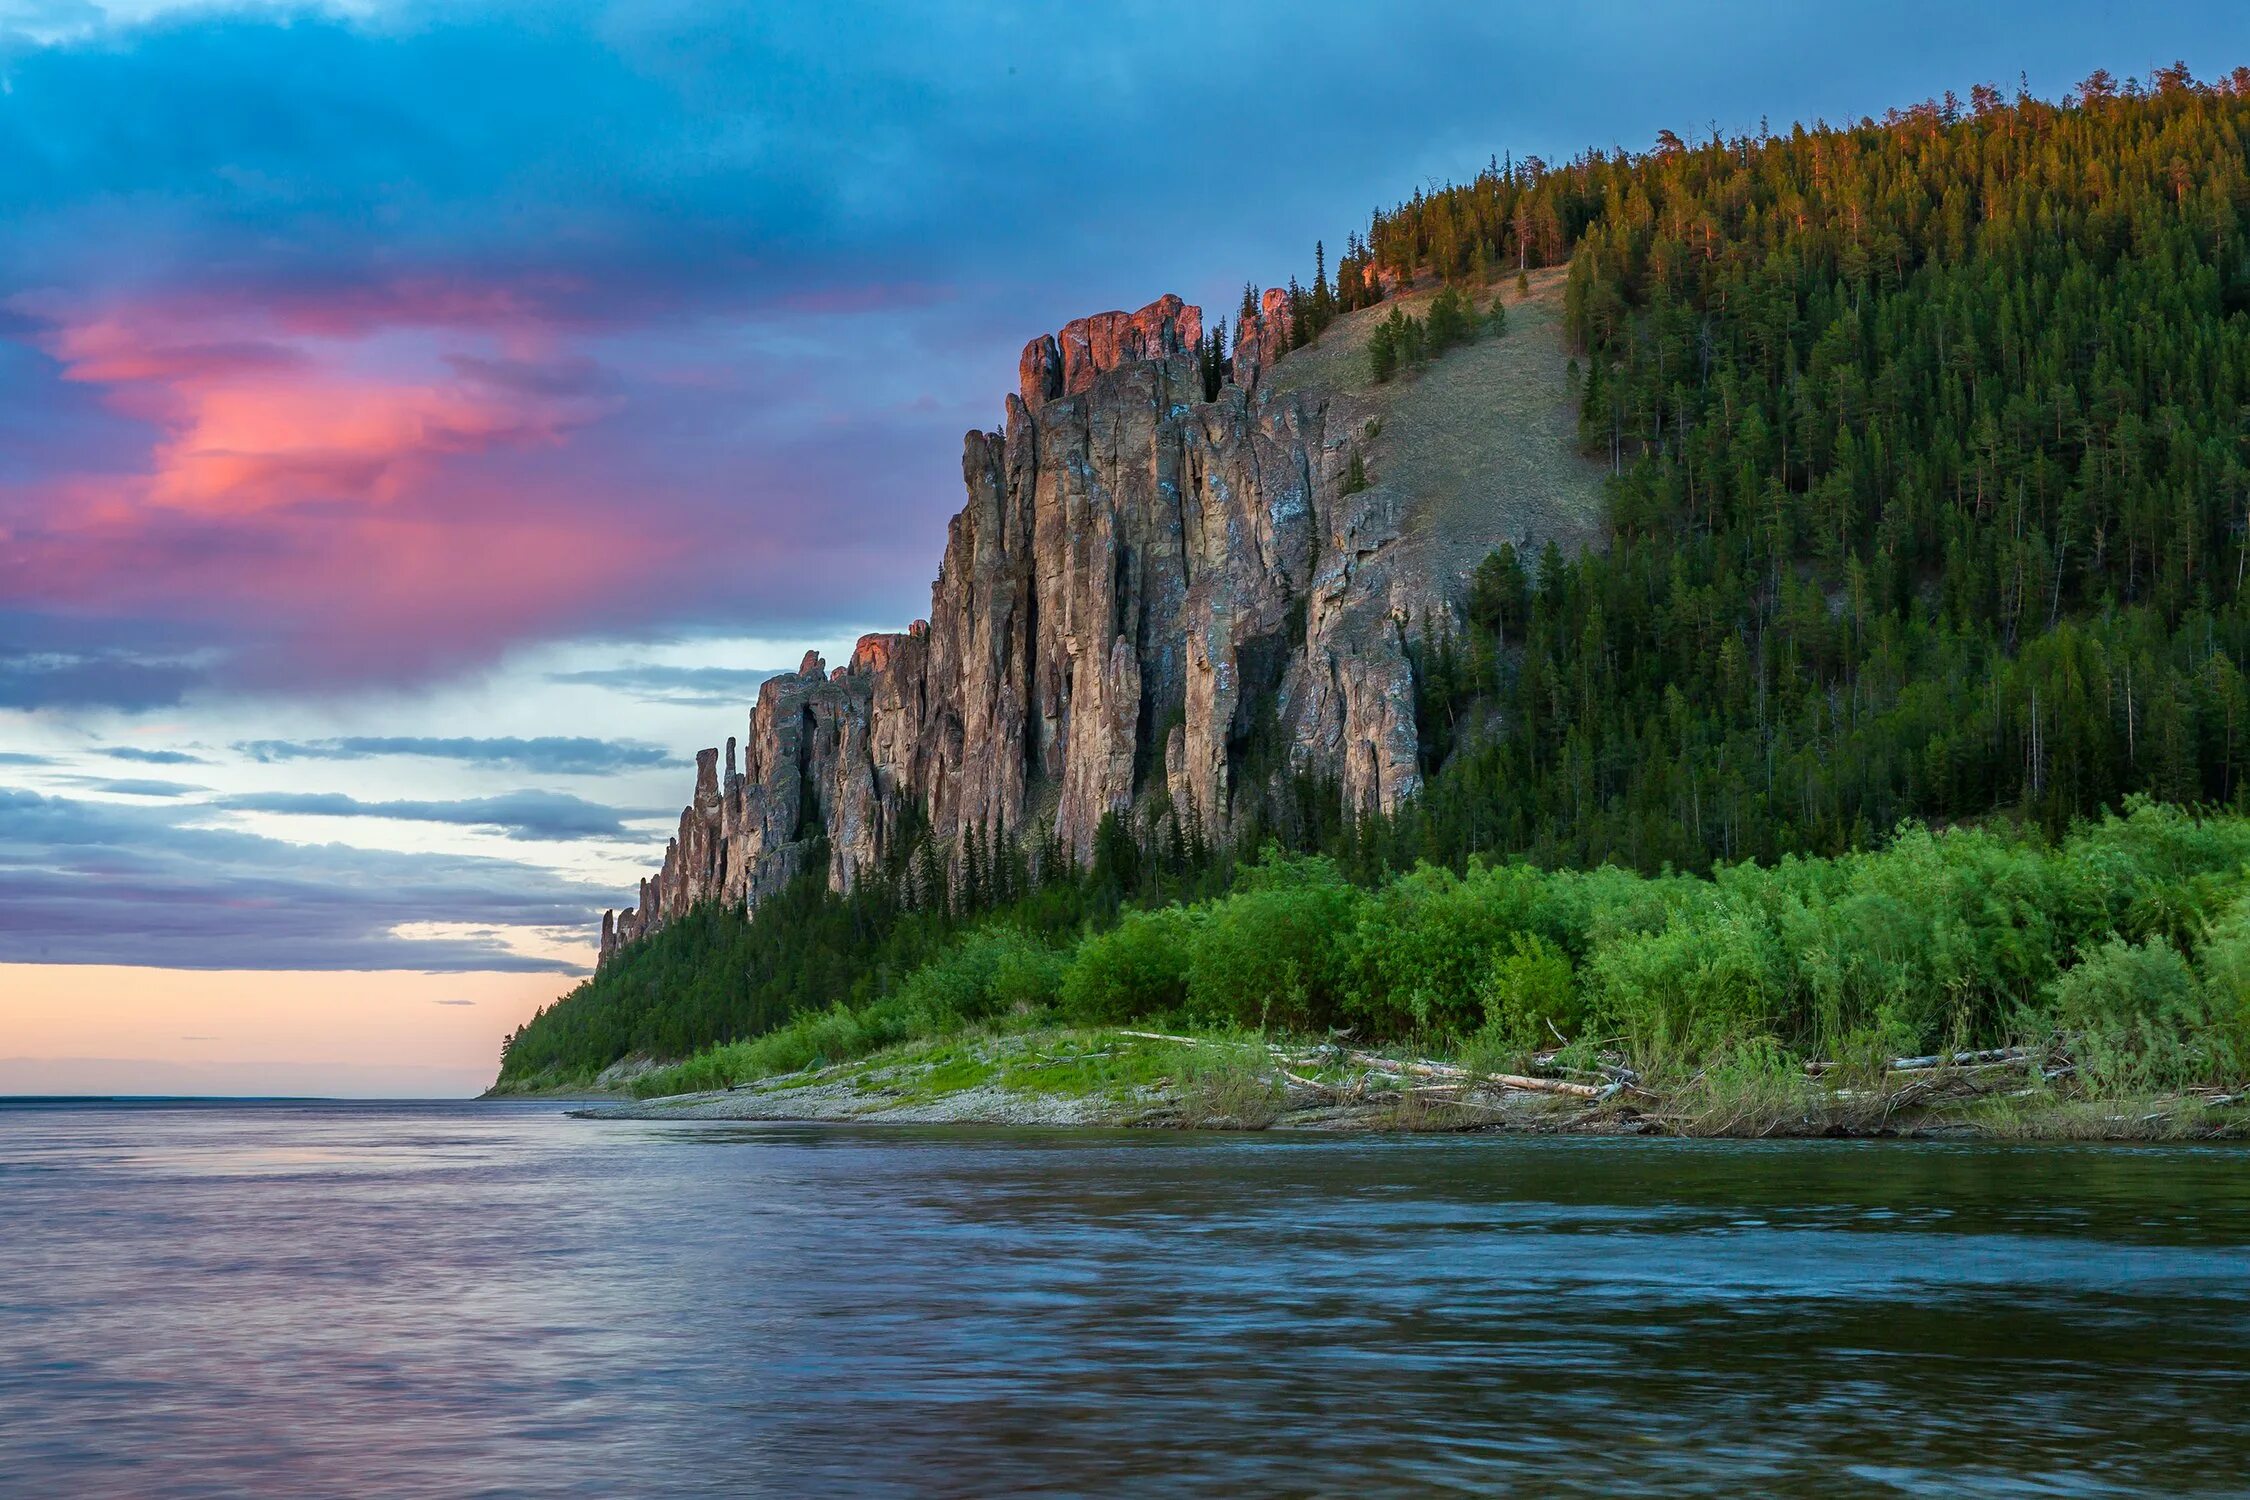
x=460, y=1299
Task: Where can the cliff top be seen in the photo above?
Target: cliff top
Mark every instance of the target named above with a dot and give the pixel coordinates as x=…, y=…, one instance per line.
x=1066, y=362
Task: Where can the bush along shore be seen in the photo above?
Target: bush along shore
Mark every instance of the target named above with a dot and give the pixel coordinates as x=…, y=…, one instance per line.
x=1972, y=979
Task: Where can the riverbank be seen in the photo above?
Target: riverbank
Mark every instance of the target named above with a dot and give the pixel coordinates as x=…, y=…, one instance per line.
x=1128, y=1078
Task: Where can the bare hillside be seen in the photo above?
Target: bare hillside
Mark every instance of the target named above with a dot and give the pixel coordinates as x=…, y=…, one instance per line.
x=1480, y=445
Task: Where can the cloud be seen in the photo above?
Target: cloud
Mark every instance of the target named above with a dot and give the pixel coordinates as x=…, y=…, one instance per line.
x=322, y=600
x=521, y=815
x=103, y=679
x=48, y=20
x=251, y=422
x=91, y=882
x=553, y=755
x=22, y=758
x=154, y=757
x=135, y=786
x=453, y=1002
x=696, y=687
x=557, y=378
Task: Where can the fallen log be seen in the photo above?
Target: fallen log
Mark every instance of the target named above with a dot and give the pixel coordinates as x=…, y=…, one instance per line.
x=1989, y=1057
x=1448, y=1095
x=1986, y=1058
x=1423, y=1069
x=1313, y=1084
x=1503, y=1080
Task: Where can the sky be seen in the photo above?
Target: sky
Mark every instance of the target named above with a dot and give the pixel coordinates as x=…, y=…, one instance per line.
x=423, y=425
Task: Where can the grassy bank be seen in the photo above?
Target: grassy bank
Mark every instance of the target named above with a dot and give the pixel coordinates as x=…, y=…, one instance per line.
x=1042, y=1074
x=2100, y=984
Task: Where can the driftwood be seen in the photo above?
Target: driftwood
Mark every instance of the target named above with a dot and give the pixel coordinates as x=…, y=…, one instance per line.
x=1315, y=1085
x=1915, y=1083
x=1448, y=1094
x=1465, y=1076
x=1459, y=1080
x=1990, y=1057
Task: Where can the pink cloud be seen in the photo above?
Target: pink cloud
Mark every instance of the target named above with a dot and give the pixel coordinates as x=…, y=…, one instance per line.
x=341, y=593
x=349, y=499
x=251, y=421
x=262, y=444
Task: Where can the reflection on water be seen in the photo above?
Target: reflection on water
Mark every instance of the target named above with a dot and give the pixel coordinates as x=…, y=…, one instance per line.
x=453, y=1299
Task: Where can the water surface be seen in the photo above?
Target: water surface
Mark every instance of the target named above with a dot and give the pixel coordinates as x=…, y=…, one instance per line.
x=498, y=1300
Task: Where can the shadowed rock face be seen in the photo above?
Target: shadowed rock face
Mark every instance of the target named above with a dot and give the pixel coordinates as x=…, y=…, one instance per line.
x=1117, y=608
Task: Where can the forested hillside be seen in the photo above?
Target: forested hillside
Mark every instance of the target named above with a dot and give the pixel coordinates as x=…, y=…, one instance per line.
x=1930, y=444
x=1932, y=482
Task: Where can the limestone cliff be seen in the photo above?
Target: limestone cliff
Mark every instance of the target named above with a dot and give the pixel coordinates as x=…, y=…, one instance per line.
x=1138, y=579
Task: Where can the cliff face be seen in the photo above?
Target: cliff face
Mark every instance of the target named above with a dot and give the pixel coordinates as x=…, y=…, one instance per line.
x=1138, y=579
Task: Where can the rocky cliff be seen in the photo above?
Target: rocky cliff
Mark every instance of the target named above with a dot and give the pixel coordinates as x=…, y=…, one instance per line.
x=1138, y=581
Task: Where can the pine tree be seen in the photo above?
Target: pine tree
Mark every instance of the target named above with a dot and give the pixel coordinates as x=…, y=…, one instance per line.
x=1383, y=349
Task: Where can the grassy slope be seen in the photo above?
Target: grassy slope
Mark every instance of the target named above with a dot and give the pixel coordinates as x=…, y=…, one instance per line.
x=1481, y=443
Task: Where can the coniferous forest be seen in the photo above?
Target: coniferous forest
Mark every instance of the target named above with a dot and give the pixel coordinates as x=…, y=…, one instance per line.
x=1932, y=496
x=1929, y=440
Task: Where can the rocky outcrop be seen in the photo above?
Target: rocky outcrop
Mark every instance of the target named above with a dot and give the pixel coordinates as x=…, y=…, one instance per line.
x=1068, y=362
x=1258, y=344
x=1138, y=582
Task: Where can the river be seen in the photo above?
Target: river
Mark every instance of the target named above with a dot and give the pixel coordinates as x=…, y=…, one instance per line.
x=496, y=1299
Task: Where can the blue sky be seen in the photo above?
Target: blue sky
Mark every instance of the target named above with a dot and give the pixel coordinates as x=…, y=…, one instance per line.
x=422, y=425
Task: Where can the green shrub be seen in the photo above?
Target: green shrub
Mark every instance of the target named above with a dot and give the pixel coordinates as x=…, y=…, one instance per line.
x=1273, y=954
x=1935, y=937
x=2132, y=1014
x=2225, y=963
x=1750, y=1085
x=1531, y=995
x=1687, y=991
x=1583, y=910
x=1230, y=1084
x=813, y=1039
x=1422, y=949
x=990, y=971
x=1137, y=969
